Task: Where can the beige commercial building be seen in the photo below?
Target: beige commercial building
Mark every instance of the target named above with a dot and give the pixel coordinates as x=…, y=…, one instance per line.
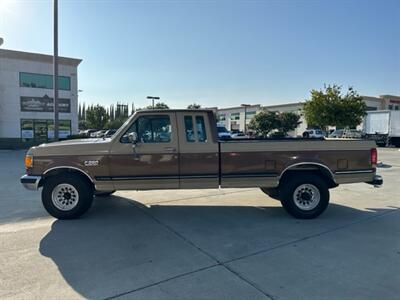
x=26, y=98
x=233, y=118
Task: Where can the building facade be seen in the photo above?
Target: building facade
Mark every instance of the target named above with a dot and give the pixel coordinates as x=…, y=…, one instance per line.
x=233, y=118
x=26, y=98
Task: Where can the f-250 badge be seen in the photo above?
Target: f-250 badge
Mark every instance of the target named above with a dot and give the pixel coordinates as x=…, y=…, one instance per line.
x=91, y=163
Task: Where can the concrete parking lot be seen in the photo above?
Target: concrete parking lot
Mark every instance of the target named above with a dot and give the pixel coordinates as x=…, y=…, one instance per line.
x=202, y=244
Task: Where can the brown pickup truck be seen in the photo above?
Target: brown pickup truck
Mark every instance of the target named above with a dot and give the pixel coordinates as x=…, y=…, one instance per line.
x=179, y=149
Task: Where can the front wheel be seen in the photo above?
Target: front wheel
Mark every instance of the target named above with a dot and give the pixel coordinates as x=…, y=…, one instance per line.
x=66, y=196
x=304, y=197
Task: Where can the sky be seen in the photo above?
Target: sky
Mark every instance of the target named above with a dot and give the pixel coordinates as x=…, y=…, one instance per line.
x=215, y=53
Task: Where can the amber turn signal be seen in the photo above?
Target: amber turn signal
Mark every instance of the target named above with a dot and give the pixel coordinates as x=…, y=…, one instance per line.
x=28, y=161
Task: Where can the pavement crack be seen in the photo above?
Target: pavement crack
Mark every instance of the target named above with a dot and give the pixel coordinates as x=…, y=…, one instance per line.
x=159, y=282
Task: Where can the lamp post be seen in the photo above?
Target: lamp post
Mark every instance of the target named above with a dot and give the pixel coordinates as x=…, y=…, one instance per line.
x=55, y=67
x=245, y=116
x=152, y=99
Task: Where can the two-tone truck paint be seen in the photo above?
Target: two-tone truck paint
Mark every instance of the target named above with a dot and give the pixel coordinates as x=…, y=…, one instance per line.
x=180, y=149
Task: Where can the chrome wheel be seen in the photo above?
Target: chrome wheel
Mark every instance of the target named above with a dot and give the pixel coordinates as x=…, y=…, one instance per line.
x=306, y=196
x=65, y=196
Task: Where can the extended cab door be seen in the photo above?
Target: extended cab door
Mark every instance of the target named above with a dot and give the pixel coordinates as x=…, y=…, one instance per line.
x=199, y=167
x=153, y=163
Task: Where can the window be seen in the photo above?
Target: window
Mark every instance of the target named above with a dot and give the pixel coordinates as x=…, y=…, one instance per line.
x=250, y=115
x=189, y=129
x=235, y=116
x=43, y=81
x=396, y=107
x=390, y=107
x=43, y=130
x=222, y=117
x=150, y=129
x=201, y=129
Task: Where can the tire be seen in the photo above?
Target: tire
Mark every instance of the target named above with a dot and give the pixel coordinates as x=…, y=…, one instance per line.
x=271, y=192
x=104, y=194
x=305, y=196
x=67, y=196
x=306, y=135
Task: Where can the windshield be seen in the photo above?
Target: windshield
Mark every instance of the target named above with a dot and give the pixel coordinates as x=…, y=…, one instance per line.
x=221, y=129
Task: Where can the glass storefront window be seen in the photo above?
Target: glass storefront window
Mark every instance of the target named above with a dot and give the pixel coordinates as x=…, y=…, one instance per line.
x=43, y=81
x=26, y=129
x=43, y=130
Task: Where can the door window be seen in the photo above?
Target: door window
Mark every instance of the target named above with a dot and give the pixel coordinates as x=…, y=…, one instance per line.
x=151, y=129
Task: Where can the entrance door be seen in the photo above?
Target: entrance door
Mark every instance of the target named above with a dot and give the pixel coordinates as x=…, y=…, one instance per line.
x=40, y=130
x=153, y=163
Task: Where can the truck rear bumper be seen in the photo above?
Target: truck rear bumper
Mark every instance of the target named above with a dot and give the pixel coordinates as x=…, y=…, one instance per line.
x=377, y=181
x=30, y=182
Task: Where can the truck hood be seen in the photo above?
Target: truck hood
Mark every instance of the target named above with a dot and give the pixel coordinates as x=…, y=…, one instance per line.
x=91, y=146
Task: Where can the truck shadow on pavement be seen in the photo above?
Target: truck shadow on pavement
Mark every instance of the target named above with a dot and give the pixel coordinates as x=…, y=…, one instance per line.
x=121, y=245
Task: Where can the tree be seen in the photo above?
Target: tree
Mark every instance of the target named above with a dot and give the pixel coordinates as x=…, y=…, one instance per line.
x=194, y=106
x=264, y=122
x=329, y=107
x=287, y=121
x=159, y=105
x=96, y=117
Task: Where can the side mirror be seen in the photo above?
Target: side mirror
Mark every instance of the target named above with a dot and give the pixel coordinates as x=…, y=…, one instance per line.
x=133, y=138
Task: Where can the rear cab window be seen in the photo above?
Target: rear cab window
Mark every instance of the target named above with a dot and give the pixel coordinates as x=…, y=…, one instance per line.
x=195, y=129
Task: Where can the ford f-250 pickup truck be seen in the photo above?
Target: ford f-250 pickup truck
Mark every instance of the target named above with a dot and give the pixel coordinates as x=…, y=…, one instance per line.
x=179, y=149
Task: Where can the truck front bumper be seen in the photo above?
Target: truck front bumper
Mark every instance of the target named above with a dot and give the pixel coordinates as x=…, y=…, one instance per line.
x=377, y=181
x=30, y=182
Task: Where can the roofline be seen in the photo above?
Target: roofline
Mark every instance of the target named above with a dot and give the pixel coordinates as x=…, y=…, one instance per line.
x=389, y=96
x=173, y=110
x=286, y=104
x=239, y=107
x=31, y=56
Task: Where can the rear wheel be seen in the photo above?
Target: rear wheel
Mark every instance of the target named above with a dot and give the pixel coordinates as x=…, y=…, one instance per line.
x=304, y=197
x=66, y=196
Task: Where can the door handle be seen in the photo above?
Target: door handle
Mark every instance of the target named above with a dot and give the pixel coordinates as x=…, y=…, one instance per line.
x=169, y=149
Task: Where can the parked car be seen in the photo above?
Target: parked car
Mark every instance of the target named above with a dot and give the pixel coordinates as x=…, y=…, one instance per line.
x=223, y=133
x=88, y=132
x=239, y=135
x=338, y=133
x=99, y=134
x=314, y=133
x=110, y=133
x=300, y=172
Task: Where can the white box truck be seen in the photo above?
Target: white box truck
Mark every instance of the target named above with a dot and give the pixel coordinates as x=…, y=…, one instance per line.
x=383, y=126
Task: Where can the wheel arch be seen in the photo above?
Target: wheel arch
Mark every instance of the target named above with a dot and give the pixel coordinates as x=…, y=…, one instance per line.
x=56, y=171
x=309, y=167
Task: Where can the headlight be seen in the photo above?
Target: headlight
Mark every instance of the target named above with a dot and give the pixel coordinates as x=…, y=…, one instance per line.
x=28, y=161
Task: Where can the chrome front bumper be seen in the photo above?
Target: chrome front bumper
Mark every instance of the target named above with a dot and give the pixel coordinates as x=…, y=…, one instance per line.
x=30, y=182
